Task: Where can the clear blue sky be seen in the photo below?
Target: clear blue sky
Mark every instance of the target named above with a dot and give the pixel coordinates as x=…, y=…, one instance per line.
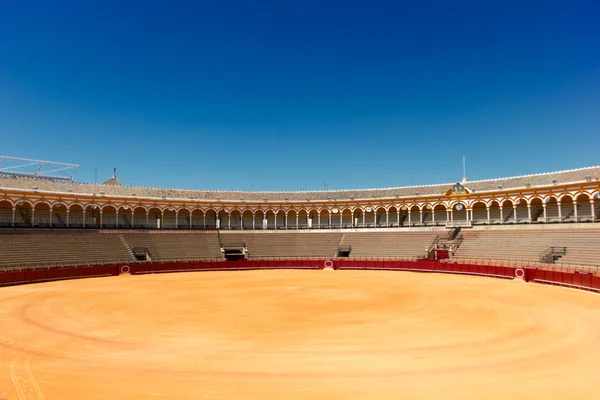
x=277, y=95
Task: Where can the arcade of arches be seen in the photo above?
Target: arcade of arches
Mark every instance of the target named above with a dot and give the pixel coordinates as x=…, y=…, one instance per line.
x=569, y=207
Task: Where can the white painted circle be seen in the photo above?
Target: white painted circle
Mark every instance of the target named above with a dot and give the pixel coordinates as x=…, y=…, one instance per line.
x=335, y=211
x=368, y=209
x=125, y=269
x=328, y=264
x=520, y=273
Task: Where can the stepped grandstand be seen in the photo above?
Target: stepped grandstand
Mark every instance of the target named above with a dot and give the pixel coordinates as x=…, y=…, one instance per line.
x=49, y=220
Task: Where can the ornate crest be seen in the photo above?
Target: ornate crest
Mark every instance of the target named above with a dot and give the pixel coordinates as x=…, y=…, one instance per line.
x=457, y=189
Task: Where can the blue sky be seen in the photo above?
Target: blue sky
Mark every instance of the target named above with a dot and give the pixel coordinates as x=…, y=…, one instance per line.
x=287, y=95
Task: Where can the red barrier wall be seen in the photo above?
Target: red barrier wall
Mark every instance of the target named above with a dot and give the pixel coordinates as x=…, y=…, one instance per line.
x=578, y=279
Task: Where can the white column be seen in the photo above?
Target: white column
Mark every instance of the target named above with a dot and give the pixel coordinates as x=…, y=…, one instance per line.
x=409, y=221
x=329, y=218
x=297, y=220
x=364, y=218
x=14, y=210
x=191, y=219
x=452, y=214
x=398, y=217
x=67, y=217
x=559, y=212
x=433, y=216
x=176, y=219
x=83, y=222
x=203, y=219
x=575, y=210
x=488, y=215
x=32, y=216
x=147, y=219
x=132, y=216
x=421, y=216
x=501, y=214
x=229, y=220
x=544, y=207
x=285, y=221
x=591, y=206
x=515, y=213
x=319, y=220
x=100, y=213
x=253, y=220
x=117, y=220
x=50, y=217
x=341, y=219
x=529, y=212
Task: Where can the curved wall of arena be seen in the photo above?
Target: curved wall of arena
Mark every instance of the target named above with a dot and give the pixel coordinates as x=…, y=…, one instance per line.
x=584, y=280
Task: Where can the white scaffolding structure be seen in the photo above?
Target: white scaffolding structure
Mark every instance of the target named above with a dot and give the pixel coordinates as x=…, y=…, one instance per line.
x=40, y=169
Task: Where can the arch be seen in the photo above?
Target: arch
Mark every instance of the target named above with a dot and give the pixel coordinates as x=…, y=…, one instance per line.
x=358, y=217
x=210, y=219
x=567, y=208
x=585, y=209
x=139, y=217
x=197, y=216
x=75, y=215
x=414, y=215
x=184, y=218
x=291, y=219
x=59, y=216
x=154, y=218
x=439, y=214
x=479, y=212
x=41, y=215
x=6, y=213
x=280, y=220
x=109, y=216
x=393, y=216
x=369, y=216
x=459, y=216
x=522, y=211
x=381, y=215
x=302, y=218
x=325, y=215
x=537, y=209
x=247, y=218
x=24, y=215
x=235, y=219
x=269, y=221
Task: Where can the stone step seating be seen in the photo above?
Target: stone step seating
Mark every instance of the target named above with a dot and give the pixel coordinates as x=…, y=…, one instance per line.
x=285, y=244
x=583, y=245
x=173, y=245
x=51, y=248
x=407, y=244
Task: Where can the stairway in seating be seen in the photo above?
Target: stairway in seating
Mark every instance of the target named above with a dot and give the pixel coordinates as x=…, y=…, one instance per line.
x=340, y=243
x=126, y=245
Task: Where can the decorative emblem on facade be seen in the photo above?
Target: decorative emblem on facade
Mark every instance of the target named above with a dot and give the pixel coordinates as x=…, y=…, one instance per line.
x=458, y=189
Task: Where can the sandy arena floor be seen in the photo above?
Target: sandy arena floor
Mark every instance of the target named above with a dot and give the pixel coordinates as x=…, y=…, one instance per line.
x=298, y=335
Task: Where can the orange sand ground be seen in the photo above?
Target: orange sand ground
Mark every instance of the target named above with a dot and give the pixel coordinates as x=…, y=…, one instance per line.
x=298, y=335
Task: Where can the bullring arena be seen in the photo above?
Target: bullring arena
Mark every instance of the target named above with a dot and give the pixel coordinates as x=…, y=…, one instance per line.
x=483, y=289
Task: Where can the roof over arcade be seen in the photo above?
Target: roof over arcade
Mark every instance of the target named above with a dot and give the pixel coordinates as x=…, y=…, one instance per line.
x=114, y=187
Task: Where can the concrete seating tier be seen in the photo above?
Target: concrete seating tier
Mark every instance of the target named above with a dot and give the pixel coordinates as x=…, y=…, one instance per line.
x=269, y=244
x=583, y=245
x=19, y=248
x=173, y=245
x=404, y=244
